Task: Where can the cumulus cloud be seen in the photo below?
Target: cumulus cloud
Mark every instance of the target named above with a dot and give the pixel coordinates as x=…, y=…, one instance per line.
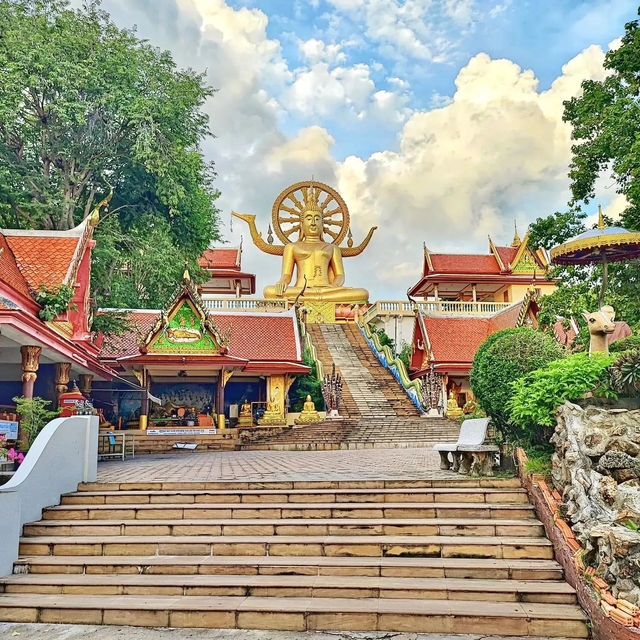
x=315, y=50
x=473, y=166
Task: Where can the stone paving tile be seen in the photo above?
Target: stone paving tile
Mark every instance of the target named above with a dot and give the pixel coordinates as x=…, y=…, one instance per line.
x=345, y=464
x=91, y=632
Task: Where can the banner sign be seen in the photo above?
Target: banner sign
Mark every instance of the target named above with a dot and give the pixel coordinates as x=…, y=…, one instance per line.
x=181, y=432
x=9, y=429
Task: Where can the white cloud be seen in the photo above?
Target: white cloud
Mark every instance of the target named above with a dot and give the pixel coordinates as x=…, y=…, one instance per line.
x=473, y=166
x=315, y=51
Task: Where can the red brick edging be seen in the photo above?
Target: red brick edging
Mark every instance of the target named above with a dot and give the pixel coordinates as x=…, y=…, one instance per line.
x=611, y=619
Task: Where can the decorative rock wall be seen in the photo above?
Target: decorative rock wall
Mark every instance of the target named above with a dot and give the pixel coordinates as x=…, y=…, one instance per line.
x=596, y=467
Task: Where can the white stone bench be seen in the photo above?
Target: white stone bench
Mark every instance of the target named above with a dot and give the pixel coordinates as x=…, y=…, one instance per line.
x=472, y=434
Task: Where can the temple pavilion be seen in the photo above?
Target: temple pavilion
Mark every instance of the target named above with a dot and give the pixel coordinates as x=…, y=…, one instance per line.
x=224, y=265
x=40, y=352
x=502, y=275
x=193, y=360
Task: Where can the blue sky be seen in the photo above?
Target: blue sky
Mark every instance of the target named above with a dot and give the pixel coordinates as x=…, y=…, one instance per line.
x=439, y=121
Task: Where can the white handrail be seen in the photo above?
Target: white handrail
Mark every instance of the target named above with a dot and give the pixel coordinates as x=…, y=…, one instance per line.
x=405, y=308
x=64, y=454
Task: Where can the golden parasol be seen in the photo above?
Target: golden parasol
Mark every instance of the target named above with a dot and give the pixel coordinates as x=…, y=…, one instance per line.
x=599, y=246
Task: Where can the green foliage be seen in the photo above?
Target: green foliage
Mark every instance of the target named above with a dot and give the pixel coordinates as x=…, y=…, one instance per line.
x=307, y=384
x=606, y=123
x=538, y=394
x=624, y=374
x=539, y=459
x=471, y=410
x=110, y=323
x=632, y=343
x=405, y=354
x=555, y=229
x=85, y=105
x=503, y=358
x=53, y=300
x=385, y=340
x=34, y=415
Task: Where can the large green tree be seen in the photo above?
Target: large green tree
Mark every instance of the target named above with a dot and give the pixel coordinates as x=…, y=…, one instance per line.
x=85, y=106
x=606, y=124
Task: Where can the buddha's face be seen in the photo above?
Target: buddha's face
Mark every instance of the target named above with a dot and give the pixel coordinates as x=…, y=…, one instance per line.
x=311, y=224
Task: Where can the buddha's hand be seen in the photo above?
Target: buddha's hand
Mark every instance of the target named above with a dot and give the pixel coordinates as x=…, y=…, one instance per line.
x=338, y=281
x=281, y=287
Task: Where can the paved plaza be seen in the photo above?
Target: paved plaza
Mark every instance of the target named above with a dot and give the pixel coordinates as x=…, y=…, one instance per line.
x=354, y=464
x=90, y=632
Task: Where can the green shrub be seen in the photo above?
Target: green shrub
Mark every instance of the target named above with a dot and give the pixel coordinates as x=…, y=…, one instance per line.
x=504, y=357
x=34, y=415
x=539, y=459
x=624, y=374
x=631, y=343
x=538, y=394
x=54, y=300
x=307, y=384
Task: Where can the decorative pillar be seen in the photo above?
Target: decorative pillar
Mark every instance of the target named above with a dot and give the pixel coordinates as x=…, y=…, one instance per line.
x=222, y=383
x=63, y=369
x=474, y=293
x=85, y=384
x=436, y=295
x=144, y=403
x=30, y=362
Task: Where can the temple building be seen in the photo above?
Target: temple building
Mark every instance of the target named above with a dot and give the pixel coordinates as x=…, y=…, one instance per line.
x=192, y=360
x=41, y=350
x=446, y=343
x=503, y=275
x=224, y=265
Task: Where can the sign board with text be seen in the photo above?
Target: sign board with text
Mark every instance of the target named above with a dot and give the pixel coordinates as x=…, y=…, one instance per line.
x=9, y=429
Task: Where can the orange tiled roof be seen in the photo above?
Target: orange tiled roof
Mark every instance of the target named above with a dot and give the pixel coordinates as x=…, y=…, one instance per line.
x=43, y=259
x=219, y=258
x=9, y=272
x=507, y=254
x=455, y=339
x=464, y=263
x=255, y=337
x=506, y=319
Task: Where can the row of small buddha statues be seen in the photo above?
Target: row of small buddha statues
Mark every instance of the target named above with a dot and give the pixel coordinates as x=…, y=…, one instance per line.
x=274, y=416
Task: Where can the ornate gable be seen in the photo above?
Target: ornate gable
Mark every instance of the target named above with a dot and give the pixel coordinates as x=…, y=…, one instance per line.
x=185, y=327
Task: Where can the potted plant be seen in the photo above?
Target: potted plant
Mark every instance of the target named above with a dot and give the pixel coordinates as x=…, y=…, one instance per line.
x=3, y=448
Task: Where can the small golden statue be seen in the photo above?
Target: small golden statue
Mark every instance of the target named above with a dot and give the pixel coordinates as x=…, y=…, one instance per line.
x=453, y=410
x=273, y=416
x=245, y=418
x=318, y=264
x=309, y=415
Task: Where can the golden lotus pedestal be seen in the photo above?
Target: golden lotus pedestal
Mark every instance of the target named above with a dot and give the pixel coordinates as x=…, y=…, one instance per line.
x=272, y=419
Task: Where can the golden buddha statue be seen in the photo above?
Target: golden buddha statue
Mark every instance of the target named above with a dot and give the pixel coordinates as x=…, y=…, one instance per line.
x=308, y=415
x=273, y=414
x=245, y=417
x=318, y=263
x=453, y=410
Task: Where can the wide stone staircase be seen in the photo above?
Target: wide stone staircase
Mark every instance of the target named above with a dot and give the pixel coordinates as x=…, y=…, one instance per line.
x=376, y=410
x=441, y=556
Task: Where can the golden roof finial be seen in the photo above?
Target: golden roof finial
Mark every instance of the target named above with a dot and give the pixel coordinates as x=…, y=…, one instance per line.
x=516, y=238
x=186, y=276
x=600, y=217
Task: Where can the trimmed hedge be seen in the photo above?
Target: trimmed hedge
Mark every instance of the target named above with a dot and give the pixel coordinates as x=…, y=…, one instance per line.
x=632, y=343
x=503, y=358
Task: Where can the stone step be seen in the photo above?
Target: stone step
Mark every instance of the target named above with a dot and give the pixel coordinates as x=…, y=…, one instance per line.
x=403, y=566
x=285, y=510
x=295, y=585
x=299, y=614
x=194, y=496
x=226, y=485
x=288, y=527
x=359, y=545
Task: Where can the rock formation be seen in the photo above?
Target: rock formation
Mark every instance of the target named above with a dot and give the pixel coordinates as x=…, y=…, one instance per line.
x=596, y=467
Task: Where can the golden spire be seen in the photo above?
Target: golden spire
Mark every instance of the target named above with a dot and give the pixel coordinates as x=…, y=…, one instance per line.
x=600, y=218
x=516, y=238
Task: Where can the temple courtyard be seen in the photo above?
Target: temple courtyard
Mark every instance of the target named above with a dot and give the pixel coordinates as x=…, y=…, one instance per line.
x=352, y=464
